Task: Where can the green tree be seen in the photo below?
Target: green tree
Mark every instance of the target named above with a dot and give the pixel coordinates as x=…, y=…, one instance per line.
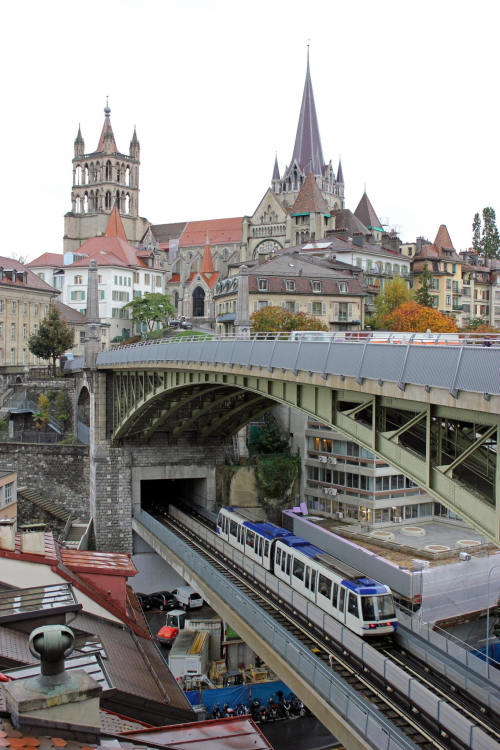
x=490, y=240
x=272, y=318
x=394, y=294
x=41, y=417
x=152, y=308
x=476, y=233
x=54, y=337
x=61, y=409
x=269, y=439
x=423, y=294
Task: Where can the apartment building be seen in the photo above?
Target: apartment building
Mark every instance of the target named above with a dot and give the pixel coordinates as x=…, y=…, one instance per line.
x=24, y=303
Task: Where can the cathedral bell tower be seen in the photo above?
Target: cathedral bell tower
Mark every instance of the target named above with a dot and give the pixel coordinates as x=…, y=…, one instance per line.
x=101, y=179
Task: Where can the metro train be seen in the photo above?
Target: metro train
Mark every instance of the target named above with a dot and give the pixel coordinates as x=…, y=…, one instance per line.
x=361, y=604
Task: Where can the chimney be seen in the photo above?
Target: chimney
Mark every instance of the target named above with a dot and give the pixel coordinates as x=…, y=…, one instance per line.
x=391, y=242
x=358, y=239
x=419, y=243
x=64, y=702
x=8, y=533
x=340, y=233
x=33, y=538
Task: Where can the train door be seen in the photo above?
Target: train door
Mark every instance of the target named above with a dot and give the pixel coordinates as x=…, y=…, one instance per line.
x=341, y=613
x=324, y=596
x=352, y=614
x=266, y=562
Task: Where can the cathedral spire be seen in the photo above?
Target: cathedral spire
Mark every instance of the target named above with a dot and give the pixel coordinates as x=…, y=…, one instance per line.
x=107, y=141
x=307, y=151
x=79, y=143
x=340, y=176
x=276, y=170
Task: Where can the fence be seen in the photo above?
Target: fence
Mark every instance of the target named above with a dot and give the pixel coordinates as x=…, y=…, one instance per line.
x=244, y=694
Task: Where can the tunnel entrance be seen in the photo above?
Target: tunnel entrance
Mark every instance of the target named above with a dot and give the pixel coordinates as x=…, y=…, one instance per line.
x=156, y=494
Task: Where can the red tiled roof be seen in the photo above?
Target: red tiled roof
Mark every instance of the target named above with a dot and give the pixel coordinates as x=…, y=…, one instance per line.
x=235, y=733
x=220, y=231
x=33, y=281
x=108, y=251
x=46, y=259
x=176, y=277
x=111, y=563
x=443, y=239
x=209, y=278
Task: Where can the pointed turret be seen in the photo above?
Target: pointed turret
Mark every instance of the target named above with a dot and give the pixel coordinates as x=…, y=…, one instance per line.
x=340, y=176
x=276, y=170
x=115, y=225
x=366, y=213
x=135, y=146
x=207, y=265
x=310, y=199
x=443, y=239
x=107, y=141
x=79, y=143
x=307, y=152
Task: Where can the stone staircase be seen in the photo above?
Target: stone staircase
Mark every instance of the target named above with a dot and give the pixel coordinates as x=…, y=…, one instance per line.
x=74, y=528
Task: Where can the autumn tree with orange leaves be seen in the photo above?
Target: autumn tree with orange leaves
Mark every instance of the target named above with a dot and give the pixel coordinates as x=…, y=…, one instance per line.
x=416, y=318
x=272, y=318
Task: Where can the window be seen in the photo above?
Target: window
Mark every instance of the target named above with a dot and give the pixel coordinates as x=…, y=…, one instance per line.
x=8, y=493
x=45, y=309
x=448, y=283
x=262, y=285
x=146, y=278
x=1, y=305
x=250, y=538
x=448, y=299
x=12, y=356
x=435, y=283
x=290, y=285
x=316, y=286
x=158, y=281
x=99, y=279
x=325, y=586
x=101, y=293
x=82, y=337
x=1, y=330
x=352, y=604
x=35, y=310
x=342, y=599
x=12, y=306
x=335, y=594
x=317, y=308
x=13, y=330
x=78, y=280
x=136, y=277
x=25, y=330
x=24, y=357
x=233, y=528
x=313, y=580
x=278, y=555
x=25, y=308
x=298, y=569
x=342, y=287
x=454, y=267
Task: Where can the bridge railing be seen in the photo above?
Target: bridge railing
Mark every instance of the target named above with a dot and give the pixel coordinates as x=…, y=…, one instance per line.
x=366, y=720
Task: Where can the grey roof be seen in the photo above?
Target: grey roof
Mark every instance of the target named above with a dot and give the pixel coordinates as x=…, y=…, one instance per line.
x=345, y=219
x=165, y=232
x=340, y=175
x=307, y=151
x=366, y=213
x=68, y=314
x=276, y=170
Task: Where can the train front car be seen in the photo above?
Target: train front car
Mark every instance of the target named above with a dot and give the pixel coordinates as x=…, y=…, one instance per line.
x=376, y=615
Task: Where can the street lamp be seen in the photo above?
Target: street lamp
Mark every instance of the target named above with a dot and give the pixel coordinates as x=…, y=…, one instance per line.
x=488, y=613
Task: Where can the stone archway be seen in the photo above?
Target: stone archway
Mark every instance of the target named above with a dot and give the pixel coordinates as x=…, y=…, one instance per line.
x=199, y=302
x=83, y=416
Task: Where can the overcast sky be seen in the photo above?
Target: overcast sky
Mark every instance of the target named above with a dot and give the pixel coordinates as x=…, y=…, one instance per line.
x=406, y=93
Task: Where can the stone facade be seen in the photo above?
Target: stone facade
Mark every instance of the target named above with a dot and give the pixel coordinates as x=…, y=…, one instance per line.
x=59, y=472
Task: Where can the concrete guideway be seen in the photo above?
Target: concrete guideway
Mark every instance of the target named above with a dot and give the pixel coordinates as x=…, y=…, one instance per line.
x=295, y=663
x=431, y=411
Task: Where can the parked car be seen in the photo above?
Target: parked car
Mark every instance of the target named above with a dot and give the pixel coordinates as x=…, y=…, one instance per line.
x=162, y=600
x=187, y=598
x=186, y=324
x=174, y=323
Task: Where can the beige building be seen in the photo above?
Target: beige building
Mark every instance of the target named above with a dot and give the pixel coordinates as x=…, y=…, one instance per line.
x=8, y=494
x=445, y=266
x=293, y=283
x=24, y=303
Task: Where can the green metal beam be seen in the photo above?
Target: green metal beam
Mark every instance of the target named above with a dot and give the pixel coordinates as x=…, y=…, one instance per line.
x=469, y=451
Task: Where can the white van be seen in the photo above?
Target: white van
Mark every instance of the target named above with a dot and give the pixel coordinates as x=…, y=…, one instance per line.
x=188, y=598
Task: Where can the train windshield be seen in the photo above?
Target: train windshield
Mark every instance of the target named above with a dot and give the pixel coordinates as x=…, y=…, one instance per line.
x=377, y=607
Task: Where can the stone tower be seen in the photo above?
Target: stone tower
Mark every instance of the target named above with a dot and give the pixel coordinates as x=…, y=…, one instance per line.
x=101, y=179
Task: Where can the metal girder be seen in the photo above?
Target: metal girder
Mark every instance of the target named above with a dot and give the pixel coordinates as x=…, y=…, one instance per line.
x=394, y=434
x=171, y=410
x=469, y=451
x=216, y=424
x=205, y=410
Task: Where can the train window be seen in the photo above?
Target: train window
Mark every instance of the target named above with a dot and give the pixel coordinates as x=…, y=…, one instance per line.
x=278, y=555
x=342, y=599
x=260, y=546
x=385, y=606
x=220, y=521
x=335, y=594
x=283, y=561
x=266, y=549
x=306, y=582
x=233, y=528
x=298, y=569
x=352, y=604
x=288, y=562
x=325, y=586
x=226, y=525
x=239, y=534
x=313, y=580
x=368, y=607
x=250, y=538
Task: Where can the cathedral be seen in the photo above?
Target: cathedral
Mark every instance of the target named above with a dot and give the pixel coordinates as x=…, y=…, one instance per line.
x=304, y=203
